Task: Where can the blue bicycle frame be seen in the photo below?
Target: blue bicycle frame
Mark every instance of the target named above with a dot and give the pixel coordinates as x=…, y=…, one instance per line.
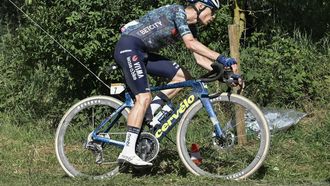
x=199, y=91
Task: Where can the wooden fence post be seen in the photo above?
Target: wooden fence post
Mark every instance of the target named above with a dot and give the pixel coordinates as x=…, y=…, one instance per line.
x=234, y=37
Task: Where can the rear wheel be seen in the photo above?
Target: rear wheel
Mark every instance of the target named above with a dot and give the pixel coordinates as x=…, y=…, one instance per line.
x=204, y=154
x=77, y=153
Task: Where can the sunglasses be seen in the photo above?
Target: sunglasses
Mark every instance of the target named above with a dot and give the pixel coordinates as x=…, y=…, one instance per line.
x=213, y=11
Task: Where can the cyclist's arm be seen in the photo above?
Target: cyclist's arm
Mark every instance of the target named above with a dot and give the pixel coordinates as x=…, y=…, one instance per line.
x=203, y=55
x=203, y=61
x=197, y=47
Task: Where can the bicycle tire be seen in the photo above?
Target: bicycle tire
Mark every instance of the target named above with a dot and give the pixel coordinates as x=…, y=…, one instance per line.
x=72, y=133
x=216, y=160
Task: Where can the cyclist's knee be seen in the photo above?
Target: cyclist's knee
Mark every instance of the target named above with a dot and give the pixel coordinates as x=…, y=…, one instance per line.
x=181, y=75
x=143, y=99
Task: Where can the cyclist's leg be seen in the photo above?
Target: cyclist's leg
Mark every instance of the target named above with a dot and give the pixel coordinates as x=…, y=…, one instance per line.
x=162, y=67
x=180, y=76
x=159, y=66
x=132, y=63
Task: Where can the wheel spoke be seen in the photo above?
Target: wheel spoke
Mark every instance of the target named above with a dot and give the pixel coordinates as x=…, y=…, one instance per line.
x=76, y=151
x=227, y=157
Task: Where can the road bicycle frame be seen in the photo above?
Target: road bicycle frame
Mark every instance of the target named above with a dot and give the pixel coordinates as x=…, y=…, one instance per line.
x=199, y=92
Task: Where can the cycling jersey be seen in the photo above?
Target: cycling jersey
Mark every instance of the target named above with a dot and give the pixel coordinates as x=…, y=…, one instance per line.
x=160, y=27
x=136, y=64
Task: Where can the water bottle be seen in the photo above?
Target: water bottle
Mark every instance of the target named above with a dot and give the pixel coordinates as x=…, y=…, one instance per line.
x=161, y=115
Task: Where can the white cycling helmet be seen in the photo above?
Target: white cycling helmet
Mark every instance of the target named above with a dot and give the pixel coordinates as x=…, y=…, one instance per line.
x=213, y=4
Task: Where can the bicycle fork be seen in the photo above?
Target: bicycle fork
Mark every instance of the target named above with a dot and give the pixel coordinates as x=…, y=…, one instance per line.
x=216, y=123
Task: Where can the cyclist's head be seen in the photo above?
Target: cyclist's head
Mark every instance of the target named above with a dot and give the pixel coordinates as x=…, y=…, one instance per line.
x=205, y=9
x=213, y=4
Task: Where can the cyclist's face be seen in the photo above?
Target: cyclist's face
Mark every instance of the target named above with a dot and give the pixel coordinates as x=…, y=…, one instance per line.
x=207, y=16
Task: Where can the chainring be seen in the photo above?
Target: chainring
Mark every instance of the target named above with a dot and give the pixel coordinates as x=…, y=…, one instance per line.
x=147, y=147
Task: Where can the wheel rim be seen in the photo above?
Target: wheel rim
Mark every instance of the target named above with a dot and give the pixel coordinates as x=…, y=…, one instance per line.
x=232, y=162
x=75, y=127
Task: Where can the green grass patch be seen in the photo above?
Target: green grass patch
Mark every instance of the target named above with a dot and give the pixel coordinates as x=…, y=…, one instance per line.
x=297, y=156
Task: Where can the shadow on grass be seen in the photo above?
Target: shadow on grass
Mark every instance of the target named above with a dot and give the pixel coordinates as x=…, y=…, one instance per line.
x=167, y=162
x=260, y=173
x=327, y=180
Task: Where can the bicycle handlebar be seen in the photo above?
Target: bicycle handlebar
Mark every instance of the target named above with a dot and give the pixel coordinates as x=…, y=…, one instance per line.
x=215, y=74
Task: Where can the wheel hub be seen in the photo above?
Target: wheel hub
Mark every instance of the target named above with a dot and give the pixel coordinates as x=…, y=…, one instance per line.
x=224, y=143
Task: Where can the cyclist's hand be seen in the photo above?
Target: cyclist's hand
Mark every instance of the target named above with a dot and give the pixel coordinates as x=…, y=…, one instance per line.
x=234, y=68
x=226, y=61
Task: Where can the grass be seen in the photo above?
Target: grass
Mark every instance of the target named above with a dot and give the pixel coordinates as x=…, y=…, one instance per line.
x=298, y=156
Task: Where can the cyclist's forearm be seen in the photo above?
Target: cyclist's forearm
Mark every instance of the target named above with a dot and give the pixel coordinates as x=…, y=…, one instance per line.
x=197, y=47
x=205, y=51
x=203, y=61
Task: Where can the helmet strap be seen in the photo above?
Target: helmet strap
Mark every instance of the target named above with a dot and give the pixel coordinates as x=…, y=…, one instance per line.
x=198, y=12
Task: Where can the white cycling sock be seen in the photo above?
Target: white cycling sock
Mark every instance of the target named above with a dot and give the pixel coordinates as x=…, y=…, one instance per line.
x=130, y=142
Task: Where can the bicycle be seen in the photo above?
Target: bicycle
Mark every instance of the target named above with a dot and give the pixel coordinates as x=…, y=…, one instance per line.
x=92, y=132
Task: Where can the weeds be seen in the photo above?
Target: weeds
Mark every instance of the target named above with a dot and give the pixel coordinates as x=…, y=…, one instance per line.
x=297, y=156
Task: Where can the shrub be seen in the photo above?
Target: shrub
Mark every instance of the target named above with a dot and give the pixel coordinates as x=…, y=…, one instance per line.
x=39, y=78
x=285, y=71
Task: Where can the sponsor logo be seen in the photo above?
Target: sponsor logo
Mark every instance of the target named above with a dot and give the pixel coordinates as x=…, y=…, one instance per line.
x=151, y=27
x=183, y=107
x=138, y=70
x=128, y=141
x=127, y=158
x=135, y=58
x=135, y=69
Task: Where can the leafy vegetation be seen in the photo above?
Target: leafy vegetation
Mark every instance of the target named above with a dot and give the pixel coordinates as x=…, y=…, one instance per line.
x=298, y=156
x=285, y=60
x=40, y=79
x=286, y=70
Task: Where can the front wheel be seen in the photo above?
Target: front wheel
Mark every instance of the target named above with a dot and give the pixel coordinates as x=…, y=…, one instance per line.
x=76, y=152
x=236, y=156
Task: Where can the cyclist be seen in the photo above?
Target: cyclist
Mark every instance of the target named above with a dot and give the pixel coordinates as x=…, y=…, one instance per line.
x=134, y=52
